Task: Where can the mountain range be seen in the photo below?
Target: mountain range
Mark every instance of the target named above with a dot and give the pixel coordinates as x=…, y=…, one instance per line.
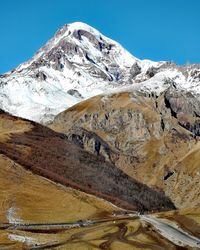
x=79, y=62
x=89, y=130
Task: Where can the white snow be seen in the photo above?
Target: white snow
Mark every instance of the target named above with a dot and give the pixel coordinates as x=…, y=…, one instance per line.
x=22, y=94
x=12, y=215
x=21, y=238
x=160, y=82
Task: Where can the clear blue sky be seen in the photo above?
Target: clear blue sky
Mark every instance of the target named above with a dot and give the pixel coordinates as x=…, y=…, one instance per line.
x=154, y=29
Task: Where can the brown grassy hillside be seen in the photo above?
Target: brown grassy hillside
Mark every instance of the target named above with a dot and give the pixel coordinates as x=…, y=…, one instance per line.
x=51, y=155
x=141, y=135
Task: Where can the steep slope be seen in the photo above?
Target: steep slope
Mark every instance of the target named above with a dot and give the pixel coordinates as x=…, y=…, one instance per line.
x=76, y=63
x=51, y=155
x=29, y=198
x=80, y=62
x=151, y=137
x=37, y=213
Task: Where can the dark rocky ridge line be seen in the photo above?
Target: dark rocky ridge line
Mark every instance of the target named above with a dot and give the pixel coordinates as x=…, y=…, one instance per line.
x=51, y=155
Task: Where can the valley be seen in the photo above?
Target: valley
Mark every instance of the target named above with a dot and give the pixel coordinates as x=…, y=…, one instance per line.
x=99, y=149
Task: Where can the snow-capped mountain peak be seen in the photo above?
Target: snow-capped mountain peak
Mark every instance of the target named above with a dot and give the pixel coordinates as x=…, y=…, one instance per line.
x=83, y=38
x=77, y=63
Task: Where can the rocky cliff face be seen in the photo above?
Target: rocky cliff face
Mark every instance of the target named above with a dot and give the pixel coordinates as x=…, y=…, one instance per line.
x=51, y=155
x=185, y=107
x=144, y=135
x=135, y=142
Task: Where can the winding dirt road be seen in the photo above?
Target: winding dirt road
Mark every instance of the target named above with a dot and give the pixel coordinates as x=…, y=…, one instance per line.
x=164, y=227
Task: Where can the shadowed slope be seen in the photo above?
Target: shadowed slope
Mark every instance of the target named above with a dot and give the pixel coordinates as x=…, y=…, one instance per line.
x=50, y=154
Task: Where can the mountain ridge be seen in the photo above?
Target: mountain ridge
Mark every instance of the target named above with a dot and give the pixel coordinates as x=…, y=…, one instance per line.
x=132, y=138
x=77, y=63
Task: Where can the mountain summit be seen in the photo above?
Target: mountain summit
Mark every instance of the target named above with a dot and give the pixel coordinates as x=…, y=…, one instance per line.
x=90, y=176
x=77, y=63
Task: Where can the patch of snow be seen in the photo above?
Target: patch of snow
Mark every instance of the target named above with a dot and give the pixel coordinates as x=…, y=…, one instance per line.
x=12, y=215
x=146, y=64
x=25, y=239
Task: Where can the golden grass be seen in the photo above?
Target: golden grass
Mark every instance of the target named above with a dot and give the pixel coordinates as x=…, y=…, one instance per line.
x=125, y=234
x=9, y=126
x=162, y=152
x=36, y=199
x=101, y=104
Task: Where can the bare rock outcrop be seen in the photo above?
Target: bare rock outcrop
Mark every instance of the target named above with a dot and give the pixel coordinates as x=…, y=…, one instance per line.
x=144, y=135
x=51, y=155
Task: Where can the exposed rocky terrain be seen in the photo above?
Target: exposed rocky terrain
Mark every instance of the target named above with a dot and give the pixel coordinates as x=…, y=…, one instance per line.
x=80, y=62
x=120, y=130
x=51, y=155
x=37, y=213
x=153, y=138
